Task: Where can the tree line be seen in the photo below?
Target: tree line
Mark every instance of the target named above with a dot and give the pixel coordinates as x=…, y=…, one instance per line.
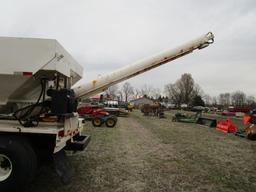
x=237, y=98
x=127, y=92
x=183, y=91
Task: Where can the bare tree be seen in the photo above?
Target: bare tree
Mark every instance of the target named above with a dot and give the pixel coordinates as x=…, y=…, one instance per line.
x=136, y=93
x=238, y=98
x=214, y=101
x=183, y=90
x=127, y=90
x=112, y=91
x=197, y=90
x=155, y=93
x=207, y=99
x=120, y=95
x=221, y=99
x=225, y=99
x=146, y=90
x=174, y=93
x=250, y=100
x=186, y=86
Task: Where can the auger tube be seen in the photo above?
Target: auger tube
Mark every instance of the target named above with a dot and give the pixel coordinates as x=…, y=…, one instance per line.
x=102, y=83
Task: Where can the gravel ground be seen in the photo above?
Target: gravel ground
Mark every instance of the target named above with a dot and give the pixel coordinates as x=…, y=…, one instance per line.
x=151, y=154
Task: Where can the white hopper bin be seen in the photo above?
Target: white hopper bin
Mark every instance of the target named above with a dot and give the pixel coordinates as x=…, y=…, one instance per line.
x=23, y=59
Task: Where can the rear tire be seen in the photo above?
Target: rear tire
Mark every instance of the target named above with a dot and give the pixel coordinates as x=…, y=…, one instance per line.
x=97, y=121
x=18, y=163
x=111, y=121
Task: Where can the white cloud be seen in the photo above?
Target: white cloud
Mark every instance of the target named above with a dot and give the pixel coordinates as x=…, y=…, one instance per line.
x=105, y=35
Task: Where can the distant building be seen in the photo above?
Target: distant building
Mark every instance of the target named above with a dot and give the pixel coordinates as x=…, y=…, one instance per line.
x=137, y=103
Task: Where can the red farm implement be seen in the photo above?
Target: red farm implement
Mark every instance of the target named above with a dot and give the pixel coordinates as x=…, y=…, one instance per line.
x=97, y=115
x=250, y=131
x=226, y=126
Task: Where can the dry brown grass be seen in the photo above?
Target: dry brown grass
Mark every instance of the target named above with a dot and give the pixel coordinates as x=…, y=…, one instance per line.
x=150, y=154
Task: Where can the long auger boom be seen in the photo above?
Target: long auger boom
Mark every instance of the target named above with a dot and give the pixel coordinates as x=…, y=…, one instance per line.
x=102, y=83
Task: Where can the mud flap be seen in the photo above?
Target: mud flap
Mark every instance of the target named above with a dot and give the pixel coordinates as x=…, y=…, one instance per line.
x=63, y=167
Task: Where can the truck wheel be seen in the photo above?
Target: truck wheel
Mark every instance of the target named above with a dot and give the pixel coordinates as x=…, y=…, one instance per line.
x=18, y=163
x=111, y=122
x=97, y=121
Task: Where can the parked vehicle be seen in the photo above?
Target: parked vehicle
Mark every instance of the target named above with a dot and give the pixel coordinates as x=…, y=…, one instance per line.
x=38, y=103
x=243, y=109
x=153, y=110
x=97, y=115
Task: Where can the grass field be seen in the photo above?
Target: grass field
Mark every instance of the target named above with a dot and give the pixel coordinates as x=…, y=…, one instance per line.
x=151, y=154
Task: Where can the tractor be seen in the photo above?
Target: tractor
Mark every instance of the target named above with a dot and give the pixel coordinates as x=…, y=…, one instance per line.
x=97, y=115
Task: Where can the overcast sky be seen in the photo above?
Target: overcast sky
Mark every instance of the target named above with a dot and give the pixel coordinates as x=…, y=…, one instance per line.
x=106, y=35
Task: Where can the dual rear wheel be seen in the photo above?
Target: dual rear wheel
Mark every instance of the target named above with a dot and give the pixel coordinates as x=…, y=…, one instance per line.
x=18, y=163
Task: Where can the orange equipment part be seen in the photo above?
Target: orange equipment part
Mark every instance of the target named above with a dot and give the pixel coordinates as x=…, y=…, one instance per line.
x=226, y=126
x=246, y=119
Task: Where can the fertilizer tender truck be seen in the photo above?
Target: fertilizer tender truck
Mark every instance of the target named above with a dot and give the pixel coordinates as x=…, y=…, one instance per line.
x=38, y=101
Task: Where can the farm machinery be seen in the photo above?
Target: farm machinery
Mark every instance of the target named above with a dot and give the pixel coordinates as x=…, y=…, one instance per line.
x=112, y=107
x=223, y=125
x=179, y=117
x=153, y=110
x=194, y=118
x=38, y=104
x=116, y=108
x=250, y=131
x=97, y=115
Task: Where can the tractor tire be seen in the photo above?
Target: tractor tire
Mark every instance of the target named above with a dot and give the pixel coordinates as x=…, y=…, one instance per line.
x=97, y=121
x=251, y=135
x=111, y=121
x=18, y=163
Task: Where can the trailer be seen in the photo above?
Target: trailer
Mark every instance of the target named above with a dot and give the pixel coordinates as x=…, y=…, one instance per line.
x=179, y=117
x=38, y=101
x=97, y=115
